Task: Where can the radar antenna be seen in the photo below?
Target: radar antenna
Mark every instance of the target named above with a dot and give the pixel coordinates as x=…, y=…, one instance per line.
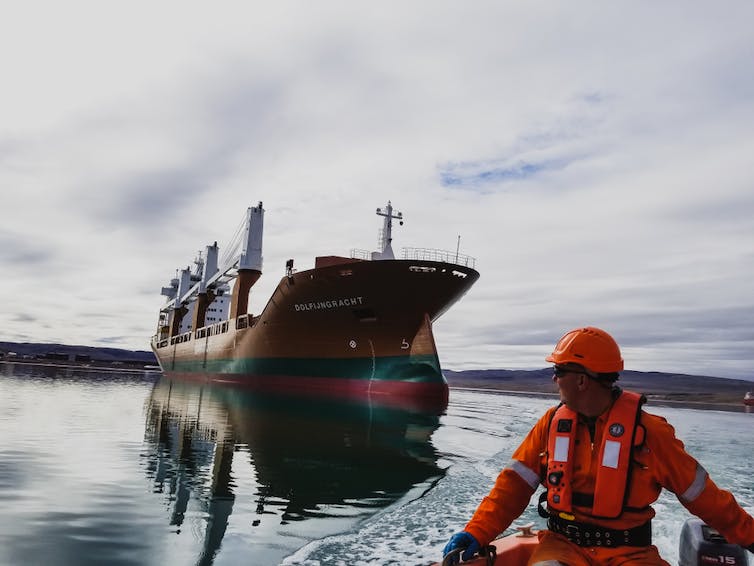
x=386, y=234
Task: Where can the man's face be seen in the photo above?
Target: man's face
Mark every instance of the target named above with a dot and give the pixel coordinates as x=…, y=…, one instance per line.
x=567, y=380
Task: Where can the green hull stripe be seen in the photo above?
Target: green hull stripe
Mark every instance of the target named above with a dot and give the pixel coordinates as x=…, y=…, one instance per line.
x=424, y=368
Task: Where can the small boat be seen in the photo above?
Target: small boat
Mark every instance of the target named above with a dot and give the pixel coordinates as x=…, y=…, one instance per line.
x=749, y=398
x=511, y=550
x=351, y=327
x=699, y=545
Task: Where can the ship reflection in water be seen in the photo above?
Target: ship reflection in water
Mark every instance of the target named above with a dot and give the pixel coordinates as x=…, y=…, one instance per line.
x=299, y=469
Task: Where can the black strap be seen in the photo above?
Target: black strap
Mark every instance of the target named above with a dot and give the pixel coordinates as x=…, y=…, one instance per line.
x=587, y=500
x=542, y=506
x=584, y=534
x=489, y=553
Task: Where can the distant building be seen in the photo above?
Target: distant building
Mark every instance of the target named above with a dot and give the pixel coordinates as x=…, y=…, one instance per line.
x=59, y=356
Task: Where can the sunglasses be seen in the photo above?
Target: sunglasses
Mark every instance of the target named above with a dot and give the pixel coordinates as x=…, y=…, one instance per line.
x=560, y=371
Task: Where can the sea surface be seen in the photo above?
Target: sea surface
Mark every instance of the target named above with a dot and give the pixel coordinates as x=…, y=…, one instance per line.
x=130, y=468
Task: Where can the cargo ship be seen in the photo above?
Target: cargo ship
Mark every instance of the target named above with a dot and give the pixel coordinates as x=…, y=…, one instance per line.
x=351, y=327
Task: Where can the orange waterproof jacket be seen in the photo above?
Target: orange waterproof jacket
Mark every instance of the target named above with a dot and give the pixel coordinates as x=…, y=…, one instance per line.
x=659, y=462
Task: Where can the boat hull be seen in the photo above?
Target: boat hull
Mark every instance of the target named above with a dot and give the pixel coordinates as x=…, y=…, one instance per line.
x=349, y=329
x=511, y=550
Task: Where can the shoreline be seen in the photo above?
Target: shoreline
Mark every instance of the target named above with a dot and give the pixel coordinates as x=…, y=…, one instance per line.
x=86, y=367
x=653, y=399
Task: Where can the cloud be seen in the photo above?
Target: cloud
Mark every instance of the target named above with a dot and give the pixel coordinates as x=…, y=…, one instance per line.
x=476, y=174
x=595, y=159
x=16, y=250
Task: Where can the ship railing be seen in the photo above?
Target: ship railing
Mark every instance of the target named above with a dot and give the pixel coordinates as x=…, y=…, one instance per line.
x=442, y=256
x=212, y=329
x=180, y=338
x=424, y=254
x=361, y=254
x=246, y=321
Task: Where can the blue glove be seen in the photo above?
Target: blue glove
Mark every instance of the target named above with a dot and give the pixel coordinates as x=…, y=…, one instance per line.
x=462, y=540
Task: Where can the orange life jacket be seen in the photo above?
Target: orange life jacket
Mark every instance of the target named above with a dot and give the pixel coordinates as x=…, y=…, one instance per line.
x=610, y=490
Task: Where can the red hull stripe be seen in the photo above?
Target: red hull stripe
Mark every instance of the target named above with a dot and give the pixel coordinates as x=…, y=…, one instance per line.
x=421, y=396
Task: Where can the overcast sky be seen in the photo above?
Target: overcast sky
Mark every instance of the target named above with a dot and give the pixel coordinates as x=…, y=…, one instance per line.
x=596, y=158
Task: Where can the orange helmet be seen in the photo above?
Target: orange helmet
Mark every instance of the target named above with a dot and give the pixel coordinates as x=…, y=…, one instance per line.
x=590, y=347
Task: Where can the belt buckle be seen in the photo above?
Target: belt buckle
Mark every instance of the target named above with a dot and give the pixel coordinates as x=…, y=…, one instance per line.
x=572, y=532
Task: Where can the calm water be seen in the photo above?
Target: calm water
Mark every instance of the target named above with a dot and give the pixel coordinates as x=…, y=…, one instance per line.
x=117, y=468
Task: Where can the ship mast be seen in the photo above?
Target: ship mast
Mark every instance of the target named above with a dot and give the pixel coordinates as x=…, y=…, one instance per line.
x=386, y=234
x=249, y=262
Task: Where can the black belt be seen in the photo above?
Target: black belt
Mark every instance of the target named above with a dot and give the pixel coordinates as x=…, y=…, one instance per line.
x=584, y=534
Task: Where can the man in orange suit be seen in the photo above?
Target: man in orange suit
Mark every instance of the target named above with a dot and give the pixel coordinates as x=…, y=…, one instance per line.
x=603, y=461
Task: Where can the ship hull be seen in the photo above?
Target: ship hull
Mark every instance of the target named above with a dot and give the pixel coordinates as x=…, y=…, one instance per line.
x=351, y=329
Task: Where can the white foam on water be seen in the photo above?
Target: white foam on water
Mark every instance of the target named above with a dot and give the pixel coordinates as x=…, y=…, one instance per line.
x=476, y=440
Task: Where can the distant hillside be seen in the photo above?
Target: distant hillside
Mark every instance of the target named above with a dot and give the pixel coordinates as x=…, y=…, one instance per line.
x=655, y=385
x=36, y=350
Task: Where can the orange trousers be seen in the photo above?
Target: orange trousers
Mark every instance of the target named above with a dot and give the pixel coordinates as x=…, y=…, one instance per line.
x=556, y=548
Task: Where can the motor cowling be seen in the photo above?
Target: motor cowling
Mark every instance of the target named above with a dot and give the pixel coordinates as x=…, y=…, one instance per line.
x=701, y=545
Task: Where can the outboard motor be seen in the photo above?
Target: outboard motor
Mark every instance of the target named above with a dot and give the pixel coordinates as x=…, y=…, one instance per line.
x=702, y=545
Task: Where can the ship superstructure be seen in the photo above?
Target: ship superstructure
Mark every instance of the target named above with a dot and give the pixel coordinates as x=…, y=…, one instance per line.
x=351, y=326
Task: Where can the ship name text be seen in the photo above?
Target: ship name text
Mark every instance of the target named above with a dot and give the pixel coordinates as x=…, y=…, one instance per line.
x=331, y=304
